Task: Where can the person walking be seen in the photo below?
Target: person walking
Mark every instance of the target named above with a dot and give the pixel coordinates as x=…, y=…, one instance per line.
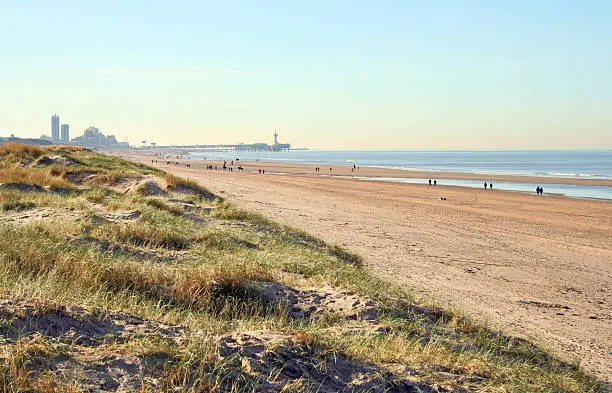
x=486, y=186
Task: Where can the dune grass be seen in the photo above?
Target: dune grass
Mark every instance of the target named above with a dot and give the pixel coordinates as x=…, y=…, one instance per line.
x=35, y=259
x=167, y=267
x=162, y=205
x=20, y=148
x=32, y=176
x=180, y=184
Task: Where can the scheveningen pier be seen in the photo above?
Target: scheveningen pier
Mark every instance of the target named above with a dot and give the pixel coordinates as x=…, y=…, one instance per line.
x=240, y=147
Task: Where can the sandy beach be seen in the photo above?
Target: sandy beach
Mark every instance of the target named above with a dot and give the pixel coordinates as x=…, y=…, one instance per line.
x=540, y=267
x=344, y=170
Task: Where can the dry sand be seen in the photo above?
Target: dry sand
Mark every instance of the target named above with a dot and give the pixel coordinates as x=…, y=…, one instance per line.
x=540, y=267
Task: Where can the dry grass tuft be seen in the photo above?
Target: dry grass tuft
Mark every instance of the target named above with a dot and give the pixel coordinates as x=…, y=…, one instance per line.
x=222, y=290
x=161, y=205
x=68, y=149
x=179, y=184
x=227, y=211
x=17, y=148
x=16, y=359
x=144, y=235
x=34, y=176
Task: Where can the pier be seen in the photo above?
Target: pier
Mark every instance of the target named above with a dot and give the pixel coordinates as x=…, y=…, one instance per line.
x=240, y=147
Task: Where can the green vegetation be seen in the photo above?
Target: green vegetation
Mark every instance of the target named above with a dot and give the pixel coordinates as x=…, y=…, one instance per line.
x=189, y=186
x=191, y=291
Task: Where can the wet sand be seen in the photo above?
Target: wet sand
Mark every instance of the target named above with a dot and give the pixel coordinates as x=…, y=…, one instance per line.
x=539, y=267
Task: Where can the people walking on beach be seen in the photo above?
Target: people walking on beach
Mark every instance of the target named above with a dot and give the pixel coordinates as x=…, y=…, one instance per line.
x=491, y=185
x=486, y=186
x=435, y=183
x=538, y=190
x=541, y=191
x=430, y=182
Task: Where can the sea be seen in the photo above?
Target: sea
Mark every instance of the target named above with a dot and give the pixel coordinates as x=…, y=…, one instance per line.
x=583, y=164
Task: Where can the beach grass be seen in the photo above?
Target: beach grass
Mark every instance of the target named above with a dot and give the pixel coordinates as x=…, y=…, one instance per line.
x=204, y=275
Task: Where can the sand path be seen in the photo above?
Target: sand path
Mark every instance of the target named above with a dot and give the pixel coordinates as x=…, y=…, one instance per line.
x=536, y=266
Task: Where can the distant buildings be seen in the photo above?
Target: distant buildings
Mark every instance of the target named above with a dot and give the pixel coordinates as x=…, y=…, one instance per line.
x=65, y=135
x=59, y=134
x=91, y=137
x=94, y=137
x=55, y=128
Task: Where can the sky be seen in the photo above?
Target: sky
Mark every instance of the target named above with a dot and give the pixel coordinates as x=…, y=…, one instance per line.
x=331, y=74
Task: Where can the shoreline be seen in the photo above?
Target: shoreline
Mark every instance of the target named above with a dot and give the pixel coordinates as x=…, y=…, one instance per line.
x=549, y=178
x=374, y=171
x=480, y=174
x=522, y=192
x=558, y=186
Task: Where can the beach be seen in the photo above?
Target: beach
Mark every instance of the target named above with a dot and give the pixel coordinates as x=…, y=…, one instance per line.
x=539, y=267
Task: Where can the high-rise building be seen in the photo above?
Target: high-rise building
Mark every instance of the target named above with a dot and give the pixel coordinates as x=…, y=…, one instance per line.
x=55, y=128
x=65, y=133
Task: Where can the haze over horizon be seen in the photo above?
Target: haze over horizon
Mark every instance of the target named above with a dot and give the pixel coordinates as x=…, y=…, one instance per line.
x=329, y=75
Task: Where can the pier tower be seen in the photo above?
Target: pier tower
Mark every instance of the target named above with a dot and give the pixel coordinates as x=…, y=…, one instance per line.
x=279, y=146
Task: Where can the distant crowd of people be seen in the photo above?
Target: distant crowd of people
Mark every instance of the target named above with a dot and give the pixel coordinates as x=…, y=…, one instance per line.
x=226, y=166
x=172, y=163
x=353, y=168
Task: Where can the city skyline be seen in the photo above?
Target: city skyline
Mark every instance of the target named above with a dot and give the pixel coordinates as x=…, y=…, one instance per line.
x=344, y=75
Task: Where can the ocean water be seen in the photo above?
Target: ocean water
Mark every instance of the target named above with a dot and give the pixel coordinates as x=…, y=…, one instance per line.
x=559, y=163
x=553, y=163
x=569, y=190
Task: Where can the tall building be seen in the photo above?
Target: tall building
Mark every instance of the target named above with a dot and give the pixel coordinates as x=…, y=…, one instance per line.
x=55, y=128
x=65, y=133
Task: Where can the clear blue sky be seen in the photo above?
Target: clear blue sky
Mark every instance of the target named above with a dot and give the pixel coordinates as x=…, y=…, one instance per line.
x=327, y=74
